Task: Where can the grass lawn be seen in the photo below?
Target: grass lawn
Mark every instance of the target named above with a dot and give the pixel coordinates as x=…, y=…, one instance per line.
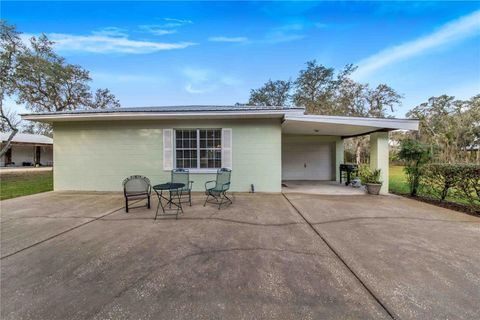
x=398, y=182
x=399, y=185
x=17, y=184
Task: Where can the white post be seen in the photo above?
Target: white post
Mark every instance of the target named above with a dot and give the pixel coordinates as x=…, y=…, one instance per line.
x=379, y=156
x=339, y=154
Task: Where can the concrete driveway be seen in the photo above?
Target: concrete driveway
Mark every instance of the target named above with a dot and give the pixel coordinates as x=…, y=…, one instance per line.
x=79, y=256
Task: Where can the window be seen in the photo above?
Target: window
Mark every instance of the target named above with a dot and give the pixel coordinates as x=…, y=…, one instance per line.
x=198, y=148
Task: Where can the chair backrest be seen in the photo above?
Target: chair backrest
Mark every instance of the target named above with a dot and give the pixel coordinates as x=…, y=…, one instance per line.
x=136, y=184
x=180, y=176
x=223, y=179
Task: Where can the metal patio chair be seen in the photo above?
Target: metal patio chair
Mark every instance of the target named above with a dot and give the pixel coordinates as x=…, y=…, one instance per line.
x=136, y=187
x=219, y=190
x=182, y=176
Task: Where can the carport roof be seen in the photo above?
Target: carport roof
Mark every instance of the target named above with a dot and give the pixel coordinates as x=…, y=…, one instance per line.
x=342, y=126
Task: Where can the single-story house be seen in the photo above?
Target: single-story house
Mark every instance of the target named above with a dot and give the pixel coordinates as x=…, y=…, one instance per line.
x=27, y=150
x=97, y=149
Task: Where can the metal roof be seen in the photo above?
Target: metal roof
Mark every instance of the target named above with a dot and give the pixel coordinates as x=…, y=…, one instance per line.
x=27, y=138
x=171, y=109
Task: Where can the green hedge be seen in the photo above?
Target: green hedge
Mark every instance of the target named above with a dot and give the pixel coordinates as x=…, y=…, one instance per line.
x=460, y=180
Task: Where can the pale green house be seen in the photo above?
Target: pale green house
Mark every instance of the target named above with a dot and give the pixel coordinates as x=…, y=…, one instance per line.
x=94, y=150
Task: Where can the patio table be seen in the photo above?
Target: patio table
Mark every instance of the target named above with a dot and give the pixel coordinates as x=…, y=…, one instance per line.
x=171, y=188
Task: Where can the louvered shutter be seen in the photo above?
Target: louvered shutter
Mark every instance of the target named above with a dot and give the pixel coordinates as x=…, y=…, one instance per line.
x=167, y=149
x=227, y=148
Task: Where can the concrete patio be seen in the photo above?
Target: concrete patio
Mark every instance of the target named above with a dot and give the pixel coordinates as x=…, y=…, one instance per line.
x=79, y=256
x=320, y=188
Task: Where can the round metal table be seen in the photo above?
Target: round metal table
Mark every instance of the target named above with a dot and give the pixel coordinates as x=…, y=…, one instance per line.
x=173, y=189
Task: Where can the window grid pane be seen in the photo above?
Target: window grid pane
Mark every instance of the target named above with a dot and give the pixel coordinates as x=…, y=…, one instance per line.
x=193, y=153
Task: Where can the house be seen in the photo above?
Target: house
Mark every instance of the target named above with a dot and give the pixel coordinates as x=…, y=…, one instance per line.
x=97, y=149
x=27, y=150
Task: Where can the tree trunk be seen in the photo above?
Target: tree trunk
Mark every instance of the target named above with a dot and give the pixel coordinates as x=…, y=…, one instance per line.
x=8, y=143
x=358, y=152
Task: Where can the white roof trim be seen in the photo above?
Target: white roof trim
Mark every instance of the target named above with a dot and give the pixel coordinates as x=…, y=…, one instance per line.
x=156, y=115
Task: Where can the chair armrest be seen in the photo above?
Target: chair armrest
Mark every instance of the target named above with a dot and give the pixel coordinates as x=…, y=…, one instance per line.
x=206, y=183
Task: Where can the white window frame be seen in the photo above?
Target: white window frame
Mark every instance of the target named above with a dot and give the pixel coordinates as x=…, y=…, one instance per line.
x=197, y=169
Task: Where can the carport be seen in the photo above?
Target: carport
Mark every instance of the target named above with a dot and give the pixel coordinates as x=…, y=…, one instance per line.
x=313, y=145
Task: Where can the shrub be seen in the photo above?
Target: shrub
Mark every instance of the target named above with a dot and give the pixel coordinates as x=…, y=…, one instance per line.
x=367, y=175
x=415, y=155
x=468, y=185
x=463, y=180
x=439, y=178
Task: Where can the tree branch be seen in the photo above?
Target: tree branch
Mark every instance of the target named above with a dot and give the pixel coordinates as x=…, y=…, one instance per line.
x=12, y=134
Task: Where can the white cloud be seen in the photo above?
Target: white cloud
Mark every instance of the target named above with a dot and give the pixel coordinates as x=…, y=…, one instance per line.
x=126, y=78
x=156, y=29
x=109, y=44
x=456, y=30
x=200, y=80
x=167, y=27
x=228, y=39
x=279, y=37
x=111, y=31
x=178, y=21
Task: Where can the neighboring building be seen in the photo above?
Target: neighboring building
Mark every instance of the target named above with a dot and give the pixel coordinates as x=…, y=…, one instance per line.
x=97, y=149
x=27, y=150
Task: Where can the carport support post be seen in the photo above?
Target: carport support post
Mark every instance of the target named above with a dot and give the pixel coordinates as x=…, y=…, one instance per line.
x=379, y=156
x=339, y=154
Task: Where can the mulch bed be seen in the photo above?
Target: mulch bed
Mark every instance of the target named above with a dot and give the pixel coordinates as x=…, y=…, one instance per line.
x=445, y=204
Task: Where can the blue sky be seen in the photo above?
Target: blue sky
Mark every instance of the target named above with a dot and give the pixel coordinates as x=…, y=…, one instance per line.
x=169, y=53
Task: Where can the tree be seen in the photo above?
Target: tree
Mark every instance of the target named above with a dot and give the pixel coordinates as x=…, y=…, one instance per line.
x=381, y=100
x=11, y=46
x=452, y=125
x=415, y=155
x=42, y=80
x=45, y=82
x=13, y=120
x=272, y=93
x=316, y=88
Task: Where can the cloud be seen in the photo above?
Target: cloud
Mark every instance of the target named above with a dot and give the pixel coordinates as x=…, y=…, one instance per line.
x=126, y=78
x=285, y=33
x=156, y=29
x=453, y=31
x=228, y=39
x=167, y=27
x=200, y=80
x=279, y=37
x=96, y=43
x=111, y=31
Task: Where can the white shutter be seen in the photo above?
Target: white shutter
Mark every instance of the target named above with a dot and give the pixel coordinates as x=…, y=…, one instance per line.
x=227, y=148
x=167, y=149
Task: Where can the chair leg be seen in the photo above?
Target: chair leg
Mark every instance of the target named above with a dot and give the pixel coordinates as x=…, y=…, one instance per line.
x=126, y=204
x=221, y=202
x=190, y=197
x=208, y=195
x=148, y=201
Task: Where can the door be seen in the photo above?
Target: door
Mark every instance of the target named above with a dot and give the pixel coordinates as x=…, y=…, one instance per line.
x=37, y=154
x=307, y=161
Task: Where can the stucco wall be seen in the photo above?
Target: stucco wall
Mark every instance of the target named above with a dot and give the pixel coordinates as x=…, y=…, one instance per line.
x=97, y=155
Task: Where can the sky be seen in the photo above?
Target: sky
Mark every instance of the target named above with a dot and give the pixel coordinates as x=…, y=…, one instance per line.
x=176, y=53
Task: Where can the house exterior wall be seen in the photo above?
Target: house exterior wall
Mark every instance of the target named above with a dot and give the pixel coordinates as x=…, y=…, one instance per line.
x=26, y=153
x=98, y=155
